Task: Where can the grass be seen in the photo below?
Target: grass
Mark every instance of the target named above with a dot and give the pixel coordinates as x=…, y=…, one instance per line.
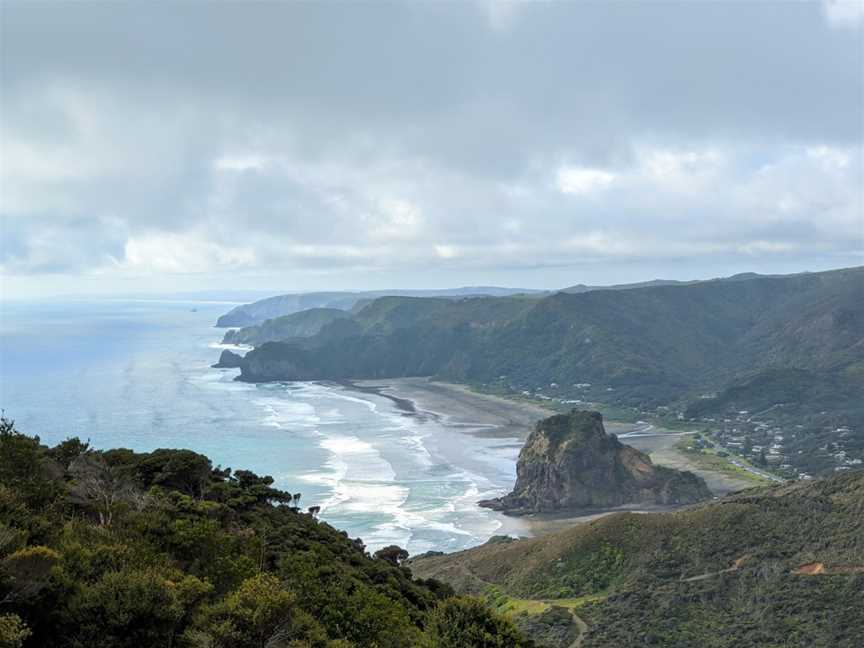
x=708, y=459
x=513, y=606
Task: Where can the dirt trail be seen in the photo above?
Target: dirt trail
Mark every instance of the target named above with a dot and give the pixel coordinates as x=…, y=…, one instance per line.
x=817, y=568
x=577, y=620
x=583, y=629
x=810, y=569
x=736, y=565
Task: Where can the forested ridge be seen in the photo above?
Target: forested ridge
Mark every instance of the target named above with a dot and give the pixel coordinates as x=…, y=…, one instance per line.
x=117, y=549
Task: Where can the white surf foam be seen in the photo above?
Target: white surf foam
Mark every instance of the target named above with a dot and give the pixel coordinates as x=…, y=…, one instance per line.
x=318, y=391
x=231, y=347
x=286, y=414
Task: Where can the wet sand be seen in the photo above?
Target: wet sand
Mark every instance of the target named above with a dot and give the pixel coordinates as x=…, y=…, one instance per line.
x=488, y=415
x=458, y=406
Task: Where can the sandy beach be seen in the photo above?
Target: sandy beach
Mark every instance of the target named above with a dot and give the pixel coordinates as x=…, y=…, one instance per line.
x=484, y=414
x=458, y=406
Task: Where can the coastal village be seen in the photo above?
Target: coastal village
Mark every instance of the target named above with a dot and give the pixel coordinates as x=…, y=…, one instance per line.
x=785, y=448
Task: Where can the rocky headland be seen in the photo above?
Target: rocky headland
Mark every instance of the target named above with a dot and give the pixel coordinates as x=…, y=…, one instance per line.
x=570, y=462
x=229, y=360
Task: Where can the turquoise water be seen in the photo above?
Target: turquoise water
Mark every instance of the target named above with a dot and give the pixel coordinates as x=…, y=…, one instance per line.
x=137, y=374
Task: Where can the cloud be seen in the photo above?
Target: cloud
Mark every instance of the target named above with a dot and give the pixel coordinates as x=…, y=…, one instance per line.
x=582, y=181
x=182, y=253
x=844, y=13
x=295, y=140
x=501, y=15
x=241, y=163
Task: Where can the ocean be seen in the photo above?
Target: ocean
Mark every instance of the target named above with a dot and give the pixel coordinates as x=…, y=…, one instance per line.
x=136, y=374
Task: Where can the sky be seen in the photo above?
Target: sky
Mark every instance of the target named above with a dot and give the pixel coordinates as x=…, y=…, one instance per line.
x=160, y=147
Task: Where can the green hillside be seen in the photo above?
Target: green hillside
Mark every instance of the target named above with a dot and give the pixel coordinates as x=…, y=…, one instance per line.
x=280, y=305
x=770, y=567
x=118, y=549
x=305, y=323
x=643, y=347
x=648, y=343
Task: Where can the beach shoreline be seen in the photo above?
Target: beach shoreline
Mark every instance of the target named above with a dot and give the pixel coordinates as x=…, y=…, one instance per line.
x=458, y=406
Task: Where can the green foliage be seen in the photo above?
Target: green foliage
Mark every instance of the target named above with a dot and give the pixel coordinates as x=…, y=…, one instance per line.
x=260, y=613
x=24, y=467
x=305, y=323
x=26, y=571
x=13, y=631
x=66, y=451
x=797, y=390
x=464, y=622
x=393, y=554
x=180, y=470
x=130, y=608
x=779, y=566
x=588, y=571
x=118, y=549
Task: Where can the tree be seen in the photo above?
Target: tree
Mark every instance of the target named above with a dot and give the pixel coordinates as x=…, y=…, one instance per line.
x=26, y=571
x=182, y=470
x=24, y=468
x=464, y=622
x=13, y=631
x=259, y=490
x=393, y=554
x=99, y=486
x=67, y=451
x=261, y=614
x=131, y=608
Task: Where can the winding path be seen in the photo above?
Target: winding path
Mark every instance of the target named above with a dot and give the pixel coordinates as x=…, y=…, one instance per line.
x=577, y=620
x=583, y=629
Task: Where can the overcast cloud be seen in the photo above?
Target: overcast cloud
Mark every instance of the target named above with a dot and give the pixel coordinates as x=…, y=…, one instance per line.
x=159, y=147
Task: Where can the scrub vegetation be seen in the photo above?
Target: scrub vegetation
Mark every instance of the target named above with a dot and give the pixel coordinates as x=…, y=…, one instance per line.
x=117, y=549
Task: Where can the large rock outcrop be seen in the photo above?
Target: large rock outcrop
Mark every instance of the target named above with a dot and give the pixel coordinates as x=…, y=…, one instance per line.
x=569, y=462
x=229, y=360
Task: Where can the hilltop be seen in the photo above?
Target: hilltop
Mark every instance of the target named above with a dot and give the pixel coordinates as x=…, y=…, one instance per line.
x=770, y=567
x=272, y=307
x=268, y=311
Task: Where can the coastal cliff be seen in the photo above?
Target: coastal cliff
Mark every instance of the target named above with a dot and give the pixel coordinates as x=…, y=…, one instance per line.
x=570, y=462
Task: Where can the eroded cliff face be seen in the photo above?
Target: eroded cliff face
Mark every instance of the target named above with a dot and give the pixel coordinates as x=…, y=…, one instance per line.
x=569, y=462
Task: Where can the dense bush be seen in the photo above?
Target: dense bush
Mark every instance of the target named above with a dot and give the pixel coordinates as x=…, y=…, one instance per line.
x=124, y=550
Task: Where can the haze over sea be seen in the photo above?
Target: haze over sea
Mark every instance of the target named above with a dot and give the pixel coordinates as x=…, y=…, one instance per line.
x=137, y=374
